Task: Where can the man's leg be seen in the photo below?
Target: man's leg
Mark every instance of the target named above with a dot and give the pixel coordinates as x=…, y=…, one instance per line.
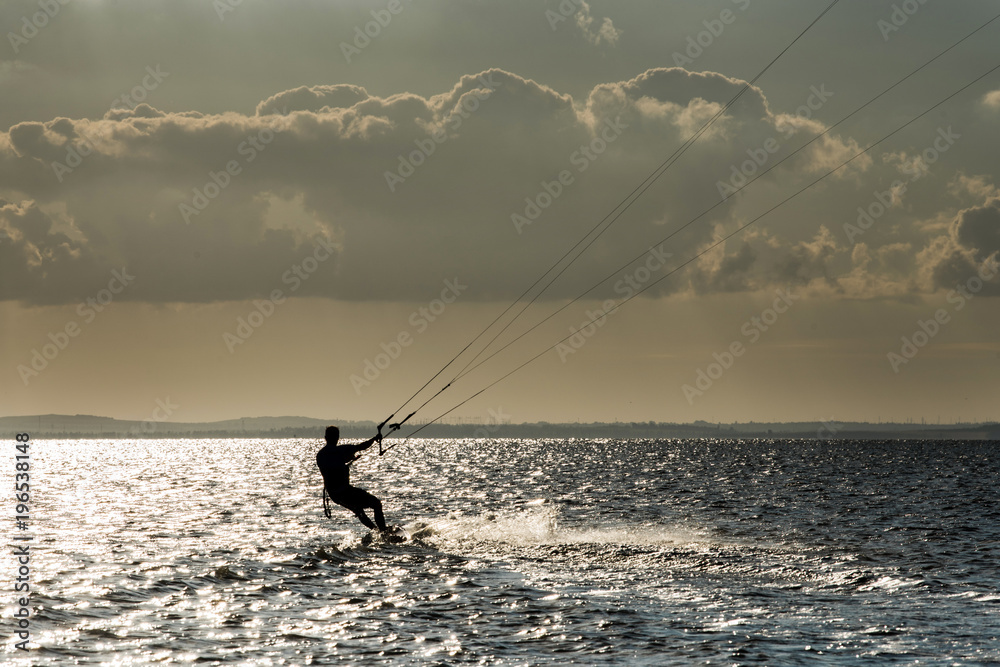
x=362, y=517
x=365, y=499
x=357, y=500
x=349, y=499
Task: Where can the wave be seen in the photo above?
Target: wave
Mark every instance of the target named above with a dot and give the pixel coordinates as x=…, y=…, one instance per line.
x=539, y=525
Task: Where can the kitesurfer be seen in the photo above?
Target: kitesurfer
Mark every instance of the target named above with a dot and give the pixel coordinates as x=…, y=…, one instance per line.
x=334, y=462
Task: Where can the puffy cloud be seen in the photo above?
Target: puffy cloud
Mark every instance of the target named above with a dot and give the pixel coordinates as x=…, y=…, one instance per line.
x=978, y=228
x=763, y=260
x=971, y=244
x=829, y=152
x=823, y=267
x=979, y=187
x=403, y=191
x=885, y=272
x=36, y=258
x=578, y=13
x=188, y=196
x=313, y=98
x=728, y=273
x=677, y=87
x=605, y=31
x=992, y=100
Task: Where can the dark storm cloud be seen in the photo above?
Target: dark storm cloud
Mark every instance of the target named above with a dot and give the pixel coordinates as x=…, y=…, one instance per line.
x=972, y=246
x=36, y=259
x=978, y=229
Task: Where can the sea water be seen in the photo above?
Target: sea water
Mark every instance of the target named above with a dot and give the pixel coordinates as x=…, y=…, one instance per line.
x=537, y=552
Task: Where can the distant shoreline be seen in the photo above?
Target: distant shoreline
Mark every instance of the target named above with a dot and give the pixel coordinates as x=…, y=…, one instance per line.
x=93, y=427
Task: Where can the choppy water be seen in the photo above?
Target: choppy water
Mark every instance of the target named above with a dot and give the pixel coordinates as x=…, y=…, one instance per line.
x=544, y=552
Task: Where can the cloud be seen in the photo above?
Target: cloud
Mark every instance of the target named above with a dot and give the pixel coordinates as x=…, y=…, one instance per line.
x=885, y=272
x=978, y=229
x=404, y=191
x=972, y=243
x=189, y=197
x=36, y=258
x=314, y=98
x=727, y=273
x=979, y=187
x=12, y=69
x=991, y=100
x=763, y=261
x=678, y=87
x=604, y=33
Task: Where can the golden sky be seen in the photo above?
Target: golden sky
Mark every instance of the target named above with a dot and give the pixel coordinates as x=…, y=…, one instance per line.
x=309, y=208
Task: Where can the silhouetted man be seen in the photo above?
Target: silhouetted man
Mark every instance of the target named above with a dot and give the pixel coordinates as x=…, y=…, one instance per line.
x=334, y=462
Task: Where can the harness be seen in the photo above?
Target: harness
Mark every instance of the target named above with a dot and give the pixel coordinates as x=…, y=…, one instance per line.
x=326, y=504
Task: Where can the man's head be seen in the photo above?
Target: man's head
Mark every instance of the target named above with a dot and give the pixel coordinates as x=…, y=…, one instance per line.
x=332, y=435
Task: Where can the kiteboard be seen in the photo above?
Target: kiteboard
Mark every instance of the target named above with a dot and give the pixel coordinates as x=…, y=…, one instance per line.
x=392, y=535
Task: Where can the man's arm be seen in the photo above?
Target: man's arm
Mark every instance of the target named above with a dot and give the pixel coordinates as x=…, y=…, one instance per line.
x=362, y=446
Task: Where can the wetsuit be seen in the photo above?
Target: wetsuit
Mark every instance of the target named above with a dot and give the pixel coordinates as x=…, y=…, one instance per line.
x=334, y=462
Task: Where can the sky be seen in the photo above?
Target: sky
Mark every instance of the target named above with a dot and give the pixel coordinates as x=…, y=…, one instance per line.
x=219, y=209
